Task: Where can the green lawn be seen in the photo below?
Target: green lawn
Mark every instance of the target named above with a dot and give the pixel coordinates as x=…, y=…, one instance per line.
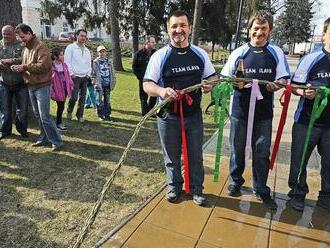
x=45, y=197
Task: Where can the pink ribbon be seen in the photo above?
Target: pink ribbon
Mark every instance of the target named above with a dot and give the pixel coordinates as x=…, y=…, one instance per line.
x=255, y=95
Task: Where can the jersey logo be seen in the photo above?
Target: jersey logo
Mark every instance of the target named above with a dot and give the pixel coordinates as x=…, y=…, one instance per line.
x=258, y=51
x=182, y=53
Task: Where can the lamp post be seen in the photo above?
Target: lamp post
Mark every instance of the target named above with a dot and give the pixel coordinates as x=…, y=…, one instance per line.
x=238, y=26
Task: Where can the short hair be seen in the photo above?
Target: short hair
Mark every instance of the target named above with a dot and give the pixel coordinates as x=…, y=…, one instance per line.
x=56, y=51
x=178, y=13
x=326, y=25
x=23, y=28
x=149, y=37
x=80, y=30
x=262, y=16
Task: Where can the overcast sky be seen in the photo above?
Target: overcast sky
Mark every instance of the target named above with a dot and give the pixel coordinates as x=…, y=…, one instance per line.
x=320, y=15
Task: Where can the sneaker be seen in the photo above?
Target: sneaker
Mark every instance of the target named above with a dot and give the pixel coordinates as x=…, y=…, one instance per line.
x=199, y=199
x=172, y=196
x=323, y=203
x=56, y=148
x=61, y=127
x=69, y=116
x=234, y=190
x=297, y=203
x=107, y=118
x=101, y=119
x=81, y=120
x=268, y=201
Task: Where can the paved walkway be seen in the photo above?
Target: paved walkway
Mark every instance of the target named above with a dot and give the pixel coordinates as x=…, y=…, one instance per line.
x=228, y=221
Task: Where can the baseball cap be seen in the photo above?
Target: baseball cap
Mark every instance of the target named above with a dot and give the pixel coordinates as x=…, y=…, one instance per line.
x=99, y=48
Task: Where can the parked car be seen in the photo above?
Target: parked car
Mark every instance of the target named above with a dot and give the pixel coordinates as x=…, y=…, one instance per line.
x=66, y=36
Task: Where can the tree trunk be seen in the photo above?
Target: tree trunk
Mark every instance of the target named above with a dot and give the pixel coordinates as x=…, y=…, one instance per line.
x=135, y=30
x=197, y=20
x=115, y=45
x=10, y=13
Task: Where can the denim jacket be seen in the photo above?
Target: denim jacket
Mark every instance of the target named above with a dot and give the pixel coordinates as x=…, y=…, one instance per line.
x=96, y=75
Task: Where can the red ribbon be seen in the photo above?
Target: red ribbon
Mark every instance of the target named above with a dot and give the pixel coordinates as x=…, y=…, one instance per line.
x=284, y=100
x=189, y=101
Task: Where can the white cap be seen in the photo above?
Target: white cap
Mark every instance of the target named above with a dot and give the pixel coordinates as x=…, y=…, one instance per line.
x=99, y=48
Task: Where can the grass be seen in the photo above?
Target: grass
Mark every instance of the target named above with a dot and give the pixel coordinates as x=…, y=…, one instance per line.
x=46, y=197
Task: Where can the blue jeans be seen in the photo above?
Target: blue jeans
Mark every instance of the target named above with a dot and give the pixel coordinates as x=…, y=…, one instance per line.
x=20, y=92
x=261, y=140
x=79, y=90
x=1, y=105
x=320, y=137
x=103, y=105
x=169, y=129
x=40, y=100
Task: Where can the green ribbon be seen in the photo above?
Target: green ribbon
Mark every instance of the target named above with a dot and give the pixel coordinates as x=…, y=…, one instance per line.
x=321, y=95
x=223, y=92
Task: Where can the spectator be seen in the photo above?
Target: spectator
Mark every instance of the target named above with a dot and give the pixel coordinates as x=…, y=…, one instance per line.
x=78, y=59
x=140, y=62
x=104, y=81
x=36, y=68
x=62, y=85
x=12, y=84
x=90, y=101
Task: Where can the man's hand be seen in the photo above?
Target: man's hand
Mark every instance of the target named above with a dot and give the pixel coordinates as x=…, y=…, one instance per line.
x=206, y=88
x=167, y=92
x=7, y=61
x=17, y=68
x=272, y=87
x=309, y=93
x=2, y=65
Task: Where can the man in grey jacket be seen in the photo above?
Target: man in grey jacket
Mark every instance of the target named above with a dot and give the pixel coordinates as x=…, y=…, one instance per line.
x=12, y=84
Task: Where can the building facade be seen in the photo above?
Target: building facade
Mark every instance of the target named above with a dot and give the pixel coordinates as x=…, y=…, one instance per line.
x=42, y=27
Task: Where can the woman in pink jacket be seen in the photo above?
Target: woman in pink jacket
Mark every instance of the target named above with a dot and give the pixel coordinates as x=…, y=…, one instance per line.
x=62, y=84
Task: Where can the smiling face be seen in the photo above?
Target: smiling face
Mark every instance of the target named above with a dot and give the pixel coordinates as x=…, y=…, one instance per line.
x=179, y=29
x=259, y=33
x=8, y=34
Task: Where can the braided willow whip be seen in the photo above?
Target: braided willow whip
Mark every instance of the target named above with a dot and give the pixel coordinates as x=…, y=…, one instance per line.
x=90, y=220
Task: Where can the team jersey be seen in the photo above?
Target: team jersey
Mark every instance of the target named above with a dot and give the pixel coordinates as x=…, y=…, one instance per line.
x=264, y=63
x=180, y=68
x=314, y=69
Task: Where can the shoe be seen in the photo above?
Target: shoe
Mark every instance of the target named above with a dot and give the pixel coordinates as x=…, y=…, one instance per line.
x=56, y=148
x=172, y=196
x=38, y=143
x=4, y=135
x=268, y=201
x=81, y=120
x=323, y=203
x=234, y=190
x=199, y=199
x=297, y=203
x=61, y=127
x=69, y=116
x=107, y=118
x=101, y=119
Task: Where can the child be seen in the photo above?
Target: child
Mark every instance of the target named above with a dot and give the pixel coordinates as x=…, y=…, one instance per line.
x=104, y=81
x=90, y=95
x=62, y=84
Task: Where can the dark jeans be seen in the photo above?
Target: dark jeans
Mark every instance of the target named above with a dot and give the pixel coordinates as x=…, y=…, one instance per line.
x=320, y=137
x=146, y=105
x=261, y=140
x=79, y=90
x=103, y=105
x=59, y=112
x=20, y=93
x=169, y=129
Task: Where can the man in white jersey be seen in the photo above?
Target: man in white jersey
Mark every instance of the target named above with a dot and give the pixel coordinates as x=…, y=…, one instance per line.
x=174, y=67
